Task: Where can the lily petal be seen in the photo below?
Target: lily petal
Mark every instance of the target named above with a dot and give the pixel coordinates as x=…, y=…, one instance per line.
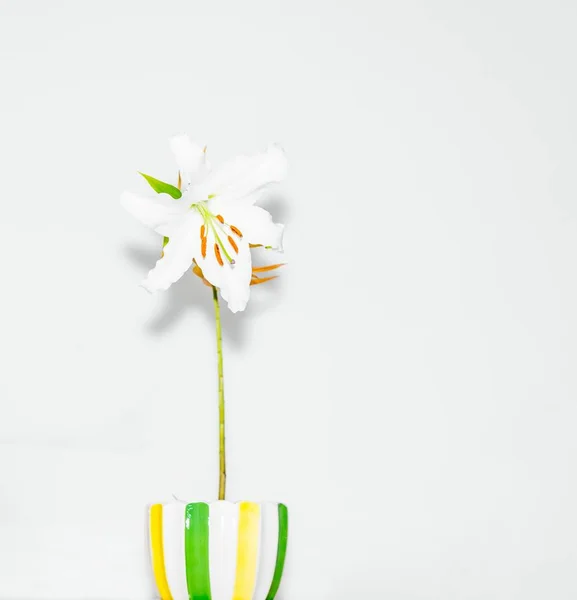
x=177, y=257
x=256, y=225
x=247, y=174
x=232, y=280
x=154, y=211
x=190, y=158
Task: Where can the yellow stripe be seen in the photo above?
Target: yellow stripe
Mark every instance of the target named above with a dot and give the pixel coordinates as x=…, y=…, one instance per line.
x=247, y=551
x=157, y=549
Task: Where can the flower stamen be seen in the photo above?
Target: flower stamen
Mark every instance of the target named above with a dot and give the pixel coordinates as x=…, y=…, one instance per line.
x=203, y=240
x=236, y=230
x=233, y=244
x=209, y=222
x=218, y=256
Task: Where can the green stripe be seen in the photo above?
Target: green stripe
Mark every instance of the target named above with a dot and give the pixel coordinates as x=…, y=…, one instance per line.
x=196, y=551
x=281, y=550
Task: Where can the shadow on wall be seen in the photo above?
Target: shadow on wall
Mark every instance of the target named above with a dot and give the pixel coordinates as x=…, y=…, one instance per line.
x=127, y=432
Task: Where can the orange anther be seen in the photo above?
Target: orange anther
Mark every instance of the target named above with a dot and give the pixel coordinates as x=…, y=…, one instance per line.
x=236, y=230
x=203, y=247
x=217, y=254
x=233, y=244
x=220, y=218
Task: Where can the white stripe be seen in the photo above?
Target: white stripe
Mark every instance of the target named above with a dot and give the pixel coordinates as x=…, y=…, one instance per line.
x=222, y=548
x=267, y=549
x=174, y=559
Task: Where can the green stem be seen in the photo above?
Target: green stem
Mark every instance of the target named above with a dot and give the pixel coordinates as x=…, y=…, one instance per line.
x=221, y=445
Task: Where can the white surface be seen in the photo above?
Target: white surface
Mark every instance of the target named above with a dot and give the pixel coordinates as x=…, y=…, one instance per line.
x=412, y=371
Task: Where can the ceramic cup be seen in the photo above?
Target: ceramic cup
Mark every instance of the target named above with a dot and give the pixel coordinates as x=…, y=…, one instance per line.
x=217, y=550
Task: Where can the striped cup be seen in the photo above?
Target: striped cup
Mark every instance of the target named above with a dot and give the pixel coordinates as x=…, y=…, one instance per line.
x=218, y=550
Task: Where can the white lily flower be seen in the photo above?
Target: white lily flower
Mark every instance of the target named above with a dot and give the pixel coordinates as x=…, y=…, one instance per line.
x=214, y=222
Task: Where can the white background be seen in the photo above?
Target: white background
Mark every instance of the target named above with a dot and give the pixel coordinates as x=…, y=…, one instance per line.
x=407, y=387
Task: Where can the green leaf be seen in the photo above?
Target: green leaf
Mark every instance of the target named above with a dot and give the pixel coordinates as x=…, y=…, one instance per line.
x=160, y=187
x=165, y=241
